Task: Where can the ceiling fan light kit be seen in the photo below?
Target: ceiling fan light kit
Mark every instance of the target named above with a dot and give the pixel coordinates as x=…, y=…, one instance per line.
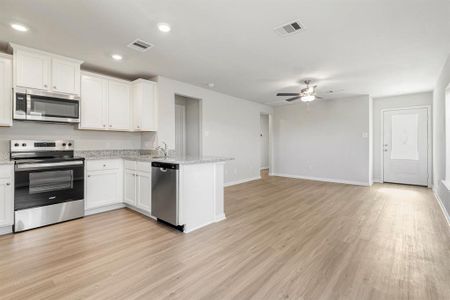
x=306, y=94
x=308, y=98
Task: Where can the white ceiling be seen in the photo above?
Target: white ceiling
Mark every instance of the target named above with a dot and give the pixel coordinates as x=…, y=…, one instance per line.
x=376, y=47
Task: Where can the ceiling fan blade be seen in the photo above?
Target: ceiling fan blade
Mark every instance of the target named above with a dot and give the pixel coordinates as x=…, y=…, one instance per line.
x=287, y=94
x=293, y=98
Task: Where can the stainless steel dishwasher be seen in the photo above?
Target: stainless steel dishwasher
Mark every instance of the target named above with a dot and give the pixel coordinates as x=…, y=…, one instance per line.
x=165, y=193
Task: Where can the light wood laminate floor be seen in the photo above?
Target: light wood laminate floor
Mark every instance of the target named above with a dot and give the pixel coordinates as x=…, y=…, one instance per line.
x=283, y=239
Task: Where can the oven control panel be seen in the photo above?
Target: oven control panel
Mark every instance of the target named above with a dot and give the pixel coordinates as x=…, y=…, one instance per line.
x=30, y=145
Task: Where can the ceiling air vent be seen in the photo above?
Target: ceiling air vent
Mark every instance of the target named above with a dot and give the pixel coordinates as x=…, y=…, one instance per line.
x=140, y=45
x=289, y=28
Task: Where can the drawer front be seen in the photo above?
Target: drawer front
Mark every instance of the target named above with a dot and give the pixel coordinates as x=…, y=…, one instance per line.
x=98, y=165
x=144, y=166
x=6, y=171
x=129, y=164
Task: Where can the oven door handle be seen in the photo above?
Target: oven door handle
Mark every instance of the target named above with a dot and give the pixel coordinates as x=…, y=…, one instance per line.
x=49, y=165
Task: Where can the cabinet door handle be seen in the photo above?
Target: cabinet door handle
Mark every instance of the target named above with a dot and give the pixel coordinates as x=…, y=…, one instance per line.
x=89, y=175
x=8, y=184
x=54, y=87
x=45, y=85
x=110, y=125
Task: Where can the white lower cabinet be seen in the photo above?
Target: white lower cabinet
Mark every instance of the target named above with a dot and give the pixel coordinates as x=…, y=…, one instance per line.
x=103, y=183
x=138, y=185
x=129, y=187
x=6, y=196
x=118, y=181
x=144, y=191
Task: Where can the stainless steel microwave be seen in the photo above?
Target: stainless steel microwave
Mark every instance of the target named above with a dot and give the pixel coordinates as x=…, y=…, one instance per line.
x=39, y=105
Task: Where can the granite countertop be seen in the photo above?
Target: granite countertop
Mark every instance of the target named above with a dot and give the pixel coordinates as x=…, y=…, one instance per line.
x=6, y=162
x=149, y=156
x=186, y=160
x=136, y=155
x=4, y=159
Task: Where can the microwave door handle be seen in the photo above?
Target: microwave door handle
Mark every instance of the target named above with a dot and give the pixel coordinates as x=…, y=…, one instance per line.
x=49, y=165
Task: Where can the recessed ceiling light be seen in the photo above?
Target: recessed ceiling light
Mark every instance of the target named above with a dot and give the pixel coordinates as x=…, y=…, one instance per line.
x=19, y=27
x=164, y=27
x=116, y=57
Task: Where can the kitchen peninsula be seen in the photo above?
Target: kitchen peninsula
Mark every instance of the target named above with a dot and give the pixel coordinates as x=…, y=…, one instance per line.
x=199, y=185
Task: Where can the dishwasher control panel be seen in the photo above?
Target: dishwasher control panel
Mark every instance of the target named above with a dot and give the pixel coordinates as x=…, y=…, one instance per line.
x=162, y=165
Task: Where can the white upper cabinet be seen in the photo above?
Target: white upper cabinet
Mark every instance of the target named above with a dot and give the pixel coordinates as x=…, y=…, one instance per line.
x=5, y=90
x=105, y=103
x=144, y=105
x=118, y=105
x=31, y=69
x=45, y=71
x=65, y=76
x=94, y=97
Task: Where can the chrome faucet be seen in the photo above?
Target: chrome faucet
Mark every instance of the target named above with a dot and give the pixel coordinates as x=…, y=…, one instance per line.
x=164, y=150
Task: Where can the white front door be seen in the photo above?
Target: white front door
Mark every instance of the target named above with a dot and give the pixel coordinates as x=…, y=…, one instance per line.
x=405, y=146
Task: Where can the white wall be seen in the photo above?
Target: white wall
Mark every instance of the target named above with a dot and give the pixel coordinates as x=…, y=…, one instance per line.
x=324, y=140
x=84, y=139
x=230, y=126
x=439, y=155
x=409, y=100
x=264, y=141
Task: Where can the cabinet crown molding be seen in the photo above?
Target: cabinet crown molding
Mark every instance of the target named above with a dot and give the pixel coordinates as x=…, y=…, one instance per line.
x=16, y=47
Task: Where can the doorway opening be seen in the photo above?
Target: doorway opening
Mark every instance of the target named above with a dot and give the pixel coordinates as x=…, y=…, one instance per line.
x=187, y=126
x=406, y=146
x=264, y=144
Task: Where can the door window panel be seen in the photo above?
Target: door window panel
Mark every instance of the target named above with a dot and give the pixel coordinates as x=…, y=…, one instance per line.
x=405, y=129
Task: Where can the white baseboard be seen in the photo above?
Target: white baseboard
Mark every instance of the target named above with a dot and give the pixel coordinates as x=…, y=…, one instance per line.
x=377, y=180
x=322, y=179
x=441, y=205
x=241, y=181
x=5, y=230
x=141, y=211
x=190, y=229
x=220, y=217
x=98, y=210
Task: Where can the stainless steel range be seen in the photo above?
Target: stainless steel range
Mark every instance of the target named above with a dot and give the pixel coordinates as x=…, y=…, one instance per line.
x=48, y=182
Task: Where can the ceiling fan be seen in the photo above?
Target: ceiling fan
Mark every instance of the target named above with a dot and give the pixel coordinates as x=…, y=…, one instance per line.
x=306, y=94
